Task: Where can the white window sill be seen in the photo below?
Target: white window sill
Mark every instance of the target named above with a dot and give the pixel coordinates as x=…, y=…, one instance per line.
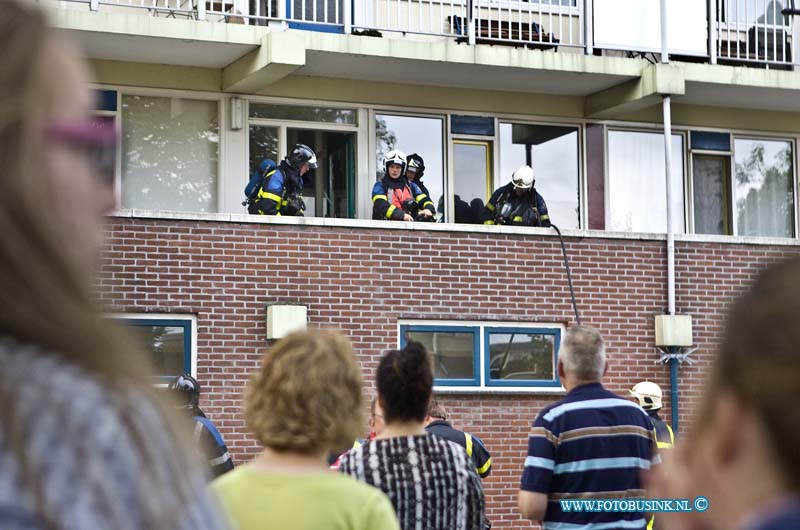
x=444, y=227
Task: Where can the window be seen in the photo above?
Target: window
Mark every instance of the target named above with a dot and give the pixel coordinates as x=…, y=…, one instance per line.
x=170, y=153
x=763, y=187
x=710, y=185
x=751, y=177
x=552, y=152
x=637, y=194
x=489, y=356
x=271, y=111
x=328, y=190
x=414, y=134
x=750, y=12
x=472, y=168
x=169, y=340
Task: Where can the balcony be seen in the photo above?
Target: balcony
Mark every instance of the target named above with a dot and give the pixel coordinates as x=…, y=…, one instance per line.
x=741, y=32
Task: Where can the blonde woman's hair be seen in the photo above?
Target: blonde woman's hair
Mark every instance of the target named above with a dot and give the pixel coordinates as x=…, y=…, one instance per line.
x=47, y=297
x=306, y=398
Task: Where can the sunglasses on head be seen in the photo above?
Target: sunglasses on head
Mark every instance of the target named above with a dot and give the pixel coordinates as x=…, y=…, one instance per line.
x=95, y=138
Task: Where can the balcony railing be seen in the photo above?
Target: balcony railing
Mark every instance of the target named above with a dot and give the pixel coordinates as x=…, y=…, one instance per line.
x=754, y=31
x=739, y=31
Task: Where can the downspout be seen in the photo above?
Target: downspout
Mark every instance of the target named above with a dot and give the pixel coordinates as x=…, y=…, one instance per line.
x=666, y=104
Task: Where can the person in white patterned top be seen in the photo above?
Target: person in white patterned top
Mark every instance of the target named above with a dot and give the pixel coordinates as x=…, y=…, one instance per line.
x=431, y=482
x=84, y=442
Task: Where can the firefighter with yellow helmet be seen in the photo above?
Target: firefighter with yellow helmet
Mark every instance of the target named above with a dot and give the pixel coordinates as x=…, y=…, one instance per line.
x=649, y=396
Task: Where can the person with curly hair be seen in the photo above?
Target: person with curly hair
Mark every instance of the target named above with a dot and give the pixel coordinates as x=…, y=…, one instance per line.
x=303, y=403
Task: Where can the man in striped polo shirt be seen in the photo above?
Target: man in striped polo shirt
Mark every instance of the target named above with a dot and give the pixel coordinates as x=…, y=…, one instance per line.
x=592, y=444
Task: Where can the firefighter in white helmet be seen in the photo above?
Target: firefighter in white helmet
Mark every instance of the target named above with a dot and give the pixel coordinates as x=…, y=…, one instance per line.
x=517, y=203
x=396, y=198
x=649, y=396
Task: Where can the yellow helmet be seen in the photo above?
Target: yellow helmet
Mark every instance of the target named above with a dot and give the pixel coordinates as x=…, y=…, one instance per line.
x=648, y=394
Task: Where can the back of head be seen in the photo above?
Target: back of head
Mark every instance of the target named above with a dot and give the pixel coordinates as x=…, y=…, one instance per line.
x=405, y=383
x=306, y=397
x=582, y=353
x=759, y=361
x=437, y=410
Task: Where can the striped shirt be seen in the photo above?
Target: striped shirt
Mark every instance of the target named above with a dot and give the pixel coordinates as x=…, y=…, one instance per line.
x=95, y=455
x=591, y=444
x=431, y=482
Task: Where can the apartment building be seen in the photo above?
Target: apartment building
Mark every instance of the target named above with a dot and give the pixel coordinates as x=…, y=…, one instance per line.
x=202, y=90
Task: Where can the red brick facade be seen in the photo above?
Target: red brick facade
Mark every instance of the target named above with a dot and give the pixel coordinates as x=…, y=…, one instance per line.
x=362, y=281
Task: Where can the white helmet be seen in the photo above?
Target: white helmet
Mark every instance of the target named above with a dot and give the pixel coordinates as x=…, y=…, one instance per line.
x=522, y=177
x=395, y=156
x=648, y=394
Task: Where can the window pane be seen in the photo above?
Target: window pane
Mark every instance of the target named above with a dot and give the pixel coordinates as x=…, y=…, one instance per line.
x=552, y=152
x=165, y=346
x=472, y=167
x=475, y=125
x=263, y=144
x=637, y=194
x=413, y=134
x=452, y=352
x=710, y=184
x=528, y=356
x=328, y=190
x=763, y=190
x=105, y=100
x=170, y=152
x=298, y=113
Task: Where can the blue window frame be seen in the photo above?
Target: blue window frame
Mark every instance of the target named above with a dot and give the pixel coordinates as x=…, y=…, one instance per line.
x=521, y=356
x=455, y=351
x=168, y=341
x=484, y=356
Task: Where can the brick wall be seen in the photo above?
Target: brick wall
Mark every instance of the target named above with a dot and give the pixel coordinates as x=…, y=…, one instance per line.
x=361, y=280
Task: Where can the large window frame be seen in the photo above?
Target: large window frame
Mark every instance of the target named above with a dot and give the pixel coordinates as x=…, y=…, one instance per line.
x=730, y=155
x=501, y=179
x=187, y=322
x=222, y=118
x=481, y=330
x=283, y=127
x=230, y=186
x=685, y=155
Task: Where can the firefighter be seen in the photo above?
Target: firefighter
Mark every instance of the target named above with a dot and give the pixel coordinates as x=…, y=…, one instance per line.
x=517, y=203
x=437, y=424
x=207, y=438
x=394, y=195
x=282, y=187
x=415, y=170
x=649, y=396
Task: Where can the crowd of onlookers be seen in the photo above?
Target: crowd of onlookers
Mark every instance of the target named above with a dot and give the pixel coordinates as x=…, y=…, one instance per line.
x=86, y=441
